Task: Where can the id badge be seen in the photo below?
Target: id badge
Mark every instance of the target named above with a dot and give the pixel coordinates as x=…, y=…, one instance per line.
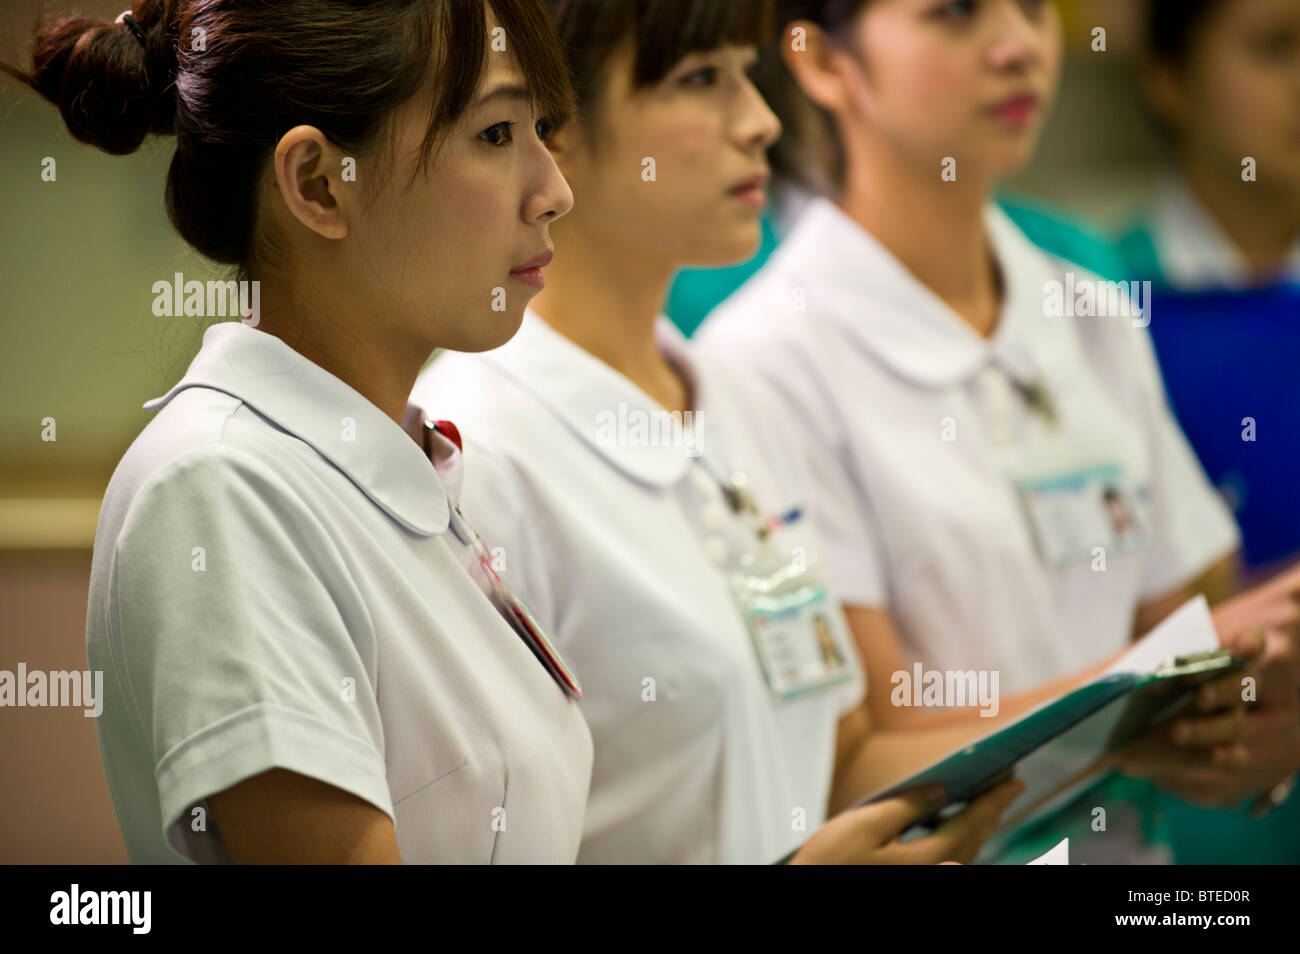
x=792, y=621
x=1073, y=512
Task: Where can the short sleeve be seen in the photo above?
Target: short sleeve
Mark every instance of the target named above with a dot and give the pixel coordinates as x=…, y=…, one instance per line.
x=242, y=639
x=1191, y=526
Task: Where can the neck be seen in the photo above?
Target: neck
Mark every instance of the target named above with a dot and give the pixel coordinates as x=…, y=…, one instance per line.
x=1261, y=223
x=935, y=228
x=380, y=367
x=606, y=300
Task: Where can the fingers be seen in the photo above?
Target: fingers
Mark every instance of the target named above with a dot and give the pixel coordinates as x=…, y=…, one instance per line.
x=1222, y=774
x=1283, y=615
x=1249, y=642
x=859, y=835
x=987, y=810
x=1280, y=661
x=1209, y=730
x=1238, y=618
x=1233, y=756
x=1224, y=691
x=1286, y=583
x=893, y=816
x=960, y=837
x=1205, y=784
x=1153, y=755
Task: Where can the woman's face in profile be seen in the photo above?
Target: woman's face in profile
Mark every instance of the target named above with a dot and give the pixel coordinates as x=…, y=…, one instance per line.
x=968, y=79
x=675, y=173
x=441, y=250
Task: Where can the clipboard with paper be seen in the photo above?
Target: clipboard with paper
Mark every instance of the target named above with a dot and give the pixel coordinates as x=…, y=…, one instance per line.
x=1062, y=746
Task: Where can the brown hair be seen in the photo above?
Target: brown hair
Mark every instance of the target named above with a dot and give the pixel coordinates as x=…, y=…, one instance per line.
x=810, y=152
x=229, y=77
x=1173, y=26
x=663, y=31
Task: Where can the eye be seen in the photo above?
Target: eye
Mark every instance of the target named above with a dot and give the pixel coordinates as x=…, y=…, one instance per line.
x=704, y=76
x=498, y=135
x=544, y=128
x=1275, y=46
x=956, y=10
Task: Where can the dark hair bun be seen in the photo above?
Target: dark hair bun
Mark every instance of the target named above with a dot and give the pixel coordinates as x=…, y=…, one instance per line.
x=228, y=77
x=111, y=88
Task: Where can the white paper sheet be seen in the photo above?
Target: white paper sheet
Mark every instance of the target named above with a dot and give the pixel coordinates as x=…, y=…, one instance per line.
x=1186, y=631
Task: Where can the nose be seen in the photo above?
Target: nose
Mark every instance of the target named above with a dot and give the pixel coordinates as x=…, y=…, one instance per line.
x=550, y=197
x=756, y=126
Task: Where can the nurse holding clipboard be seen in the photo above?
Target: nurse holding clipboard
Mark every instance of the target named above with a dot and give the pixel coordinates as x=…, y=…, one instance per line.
x=655, y=532
x=1220, y=240
x=974, y=443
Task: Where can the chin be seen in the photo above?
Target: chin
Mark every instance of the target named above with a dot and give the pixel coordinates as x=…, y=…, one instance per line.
x=1011, y=158
x=734, y=247
x=490, y=334
x=1288, y=179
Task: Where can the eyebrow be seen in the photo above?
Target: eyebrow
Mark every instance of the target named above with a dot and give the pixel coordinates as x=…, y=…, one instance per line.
x=506, y=91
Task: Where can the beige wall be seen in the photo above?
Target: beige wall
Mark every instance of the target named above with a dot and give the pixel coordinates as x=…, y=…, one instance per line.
x=54, y=804
x=80, y=256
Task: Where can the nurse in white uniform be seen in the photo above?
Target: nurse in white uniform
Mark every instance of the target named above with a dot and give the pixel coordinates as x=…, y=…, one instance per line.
x=653, y=534
x=1222, y=75
x=1000, y=485
x=299, y=664
x=1221, y=238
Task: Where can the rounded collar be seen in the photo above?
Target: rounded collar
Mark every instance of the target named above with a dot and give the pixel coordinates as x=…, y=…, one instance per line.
x=847, y=275
x=305, y=400
x=1194, y=251
x=601, y=406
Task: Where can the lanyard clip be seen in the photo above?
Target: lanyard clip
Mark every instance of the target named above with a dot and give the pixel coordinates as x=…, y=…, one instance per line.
x=736, y=490
x=1039, y=400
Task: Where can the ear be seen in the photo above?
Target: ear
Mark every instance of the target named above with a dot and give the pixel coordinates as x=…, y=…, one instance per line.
x=309, y=174
x=1163, y=89
x=818, y=65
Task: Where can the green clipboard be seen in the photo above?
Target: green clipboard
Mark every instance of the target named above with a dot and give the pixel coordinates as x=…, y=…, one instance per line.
x=1153, y=698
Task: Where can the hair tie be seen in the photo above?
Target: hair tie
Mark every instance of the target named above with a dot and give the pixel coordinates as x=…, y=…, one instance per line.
x=132, y=25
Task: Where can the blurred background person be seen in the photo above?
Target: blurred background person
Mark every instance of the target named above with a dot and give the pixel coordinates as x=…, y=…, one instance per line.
x=1223, y=79
x=1220, y=238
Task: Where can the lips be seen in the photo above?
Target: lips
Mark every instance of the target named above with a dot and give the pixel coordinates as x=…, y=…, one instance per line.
x=541, y=261
x=1018, y=108
x=751, y=192
x=757, y=181
x=530, y=273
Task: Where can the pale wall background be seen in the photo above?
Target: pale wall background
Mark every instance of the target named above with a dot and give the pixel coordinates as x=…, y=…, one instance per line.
x=79, y=343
